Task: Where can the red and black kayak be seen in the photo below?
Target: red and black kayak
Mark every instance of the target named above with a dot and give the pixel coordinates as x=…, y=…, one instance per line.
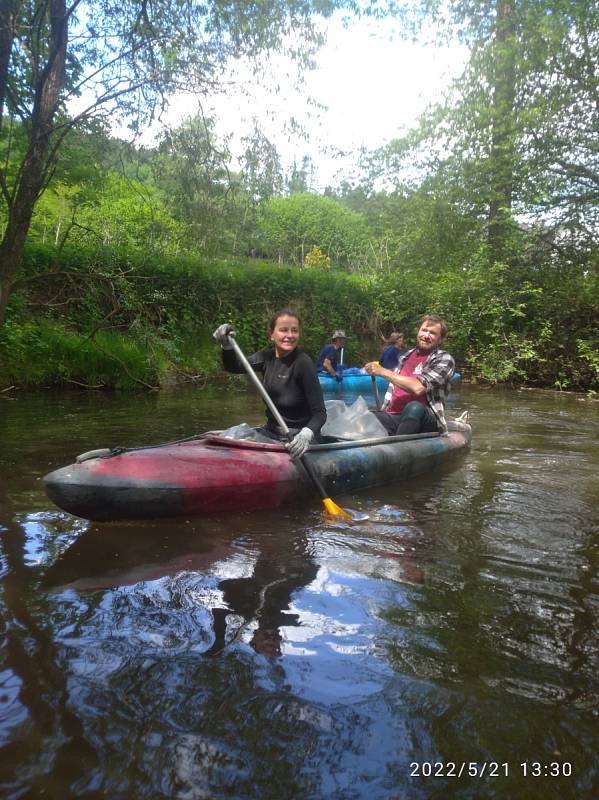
x=212, y=473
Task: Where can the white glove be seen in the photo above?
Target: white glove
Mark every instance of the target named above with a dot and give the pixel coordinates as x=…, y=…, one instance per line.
x=300, y=443
x=221, y=334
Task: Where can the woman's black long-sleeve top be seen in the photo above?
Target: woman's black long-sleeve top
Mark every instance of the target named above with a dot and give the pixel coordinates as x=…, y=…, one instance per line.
x=292, y=385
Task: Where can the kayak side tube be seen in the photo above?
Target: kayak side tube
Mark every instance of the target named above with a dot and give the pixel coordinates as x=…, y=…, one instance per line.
x=388, y=460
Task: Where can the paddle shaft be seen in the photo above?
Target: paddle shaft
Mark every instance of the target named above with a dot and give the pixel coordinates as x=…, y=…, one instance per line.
x=275, y=412
x=375, y=389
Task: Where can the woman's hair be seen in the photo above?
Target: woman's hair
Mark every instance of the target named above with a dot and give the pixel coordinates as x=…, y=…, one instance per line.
x=284, y=312
x=395, y=337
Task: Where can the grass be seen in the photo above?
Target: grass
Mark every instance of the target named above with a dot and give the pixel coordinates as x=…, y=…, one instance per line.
x=43, y=353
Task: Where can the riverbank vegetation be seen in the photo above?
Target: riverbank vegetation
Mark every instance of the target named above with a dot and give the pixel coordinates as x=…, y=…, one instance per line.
x=122, y=259
x=99, y=319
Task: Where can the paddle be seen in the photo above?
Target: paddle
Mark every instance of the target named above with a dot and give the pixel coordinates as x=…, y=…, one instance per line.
x=330, y=507
x=375, y=389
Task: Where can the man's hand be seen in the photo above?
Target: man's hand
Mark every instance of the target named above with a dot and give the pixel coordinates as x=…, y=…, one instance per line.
x=408, y=384
x=300, y=443
x=373, y=368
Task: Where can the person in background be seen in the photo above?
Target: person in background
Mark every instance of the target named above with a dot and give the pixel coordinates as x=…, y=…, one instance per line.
x=288, y=377
x=327, y=358
x=419, y=385
x=396, y=345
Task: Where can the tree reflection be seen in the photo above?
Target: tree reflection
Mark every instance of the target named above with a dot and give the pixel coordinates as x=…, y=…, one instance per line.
x=126, y=555
x=263, y=598
x=33, y=689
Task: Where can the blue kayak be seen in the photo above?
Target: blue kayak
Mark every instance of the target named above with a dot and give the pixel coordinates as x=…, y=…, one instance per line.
x=357, y=382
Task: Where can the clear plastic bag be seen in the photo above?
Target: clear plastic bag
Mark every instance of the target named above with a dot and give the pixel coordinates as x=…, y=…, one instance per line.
x=241, y=431
x=353, y=422
x=334, y=409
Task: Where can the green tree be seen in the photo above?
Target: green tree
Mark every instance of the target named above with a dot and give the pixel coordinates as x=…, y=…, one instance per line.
x=300, y=178
x=261, y=174
x=516, y=138
x=78, y=177
x=561, y=159
x=219, y=207
x=292, y=226
x=192, y=170
x=420, y=229
x=62, y=64
x=502, y=80
x=128, y=214
x=260, y=178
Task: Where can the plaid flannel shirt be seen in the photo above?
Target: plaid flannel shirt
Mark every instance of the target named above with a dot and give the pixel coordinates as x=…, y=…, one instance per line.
x=436, y=375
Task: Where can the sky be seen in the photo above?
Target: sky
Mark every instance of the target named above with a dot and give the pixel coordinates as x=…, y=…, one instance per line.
x=372, y=84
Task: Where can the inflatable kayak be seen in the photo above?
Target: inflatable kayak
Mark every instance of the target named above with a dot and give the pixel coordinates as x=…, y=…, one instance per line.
x=353, y=382
x=357, y=382
x=212, y=473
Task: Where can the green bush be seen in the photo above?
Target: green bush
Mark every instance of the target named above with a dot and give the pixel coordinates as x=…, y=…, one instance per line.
x=130, y=321
x=42, y=352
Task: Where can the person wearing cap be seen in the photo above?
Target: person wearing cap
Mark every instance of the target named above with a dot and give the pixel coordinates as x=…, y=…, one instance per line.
x=327, y=358
x=396, y=344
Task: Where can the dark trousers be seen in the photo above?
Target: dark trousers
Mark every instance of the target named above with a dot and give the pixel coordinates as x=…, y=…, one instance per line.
x=415, y=418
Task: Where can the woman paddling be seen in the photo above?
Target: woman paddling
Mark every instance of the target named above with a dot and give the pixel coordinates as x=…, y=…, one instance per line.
x=289, y=378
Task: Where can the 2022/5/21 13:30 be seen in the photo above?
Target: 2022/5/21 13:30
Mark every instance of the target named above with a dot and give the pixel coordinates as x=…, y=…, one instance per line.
x=489, y=769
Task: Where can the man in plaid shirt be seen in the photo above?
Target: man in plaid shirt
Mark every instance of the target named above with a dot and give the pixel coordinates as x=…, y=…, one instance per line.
x=418, y=386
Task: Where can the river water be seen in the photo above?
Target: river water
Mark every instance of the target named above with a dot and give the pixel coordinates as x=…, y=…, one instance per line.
x=446, y=648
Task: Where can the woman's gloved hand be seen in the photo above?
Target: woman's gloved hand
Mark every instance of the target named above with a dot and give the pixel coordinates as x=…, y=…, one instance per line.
x=300, y=443
x=221, y=334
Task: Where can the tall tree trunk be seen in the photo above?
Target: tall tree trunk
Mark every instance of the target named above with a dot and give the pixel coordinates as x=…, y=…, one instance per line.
x=502, y=136
x=35, y=167
x=11, y=253
x=8, y=22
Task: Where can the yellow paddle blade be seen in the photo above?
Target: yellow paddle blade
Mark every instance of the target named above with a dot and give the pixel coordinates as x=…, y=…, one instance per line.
x=334, y=510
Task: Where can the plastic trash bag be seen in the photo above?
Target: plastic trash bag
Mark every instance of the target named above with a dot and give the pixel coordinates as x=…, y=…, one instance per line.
x=334, y=409
x=241, y=431
x=245, y=431
x=352, y=422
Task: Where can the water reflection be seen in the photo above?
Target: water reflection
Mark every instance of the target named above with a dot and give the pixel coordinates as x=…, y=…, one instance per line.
x=263, y=597
x=135, y=610
x=258, y=597
x=245, y=581
x=110, y=556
